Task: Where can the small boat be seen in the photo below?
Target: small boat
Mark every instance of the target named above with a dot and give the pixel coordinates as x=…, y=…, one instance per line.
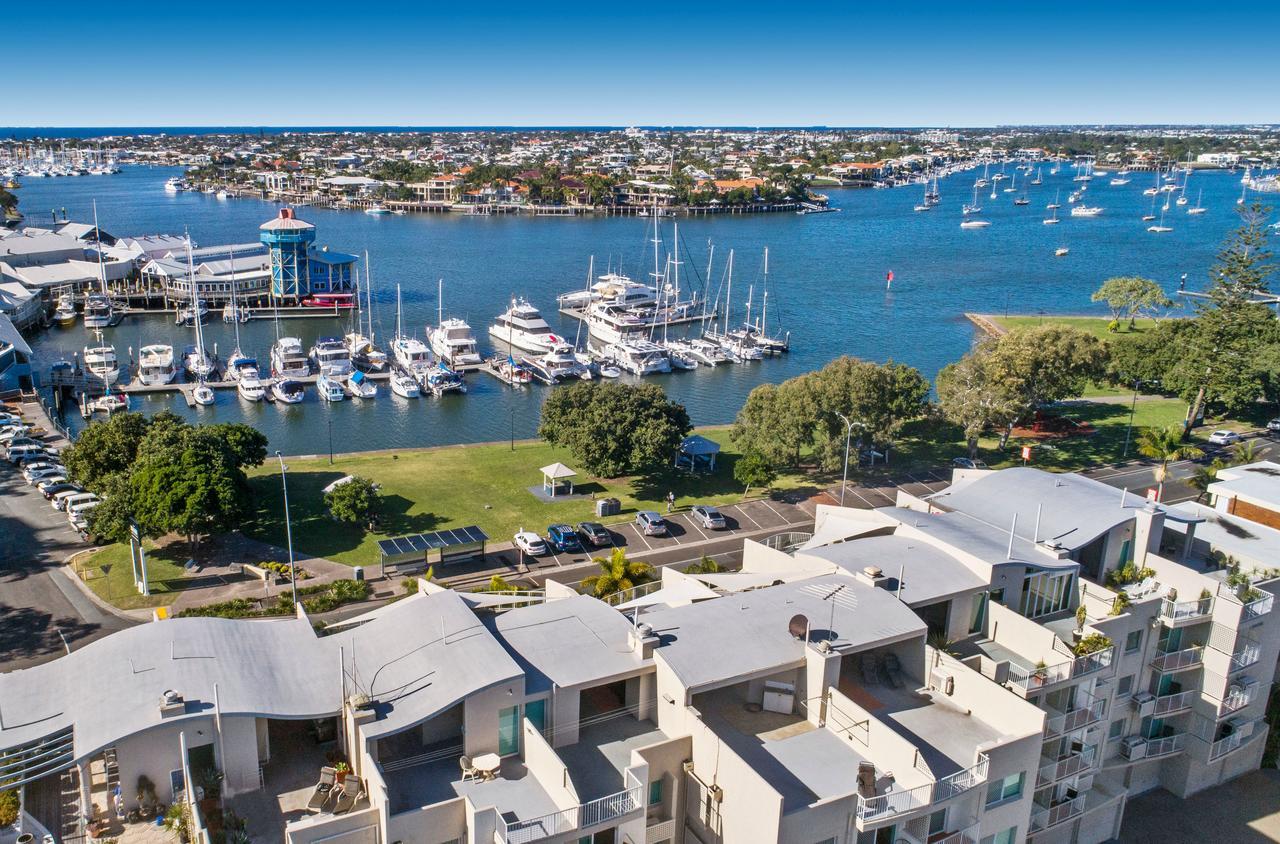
x=190, y=313
x=222, y=194
x=203, y=394
x=513, y=373
x=101, y=362
x=1117, y=181
x=288, y=391
x=1159, y=229
x=109, y=403
x=404, y=385
x=1086, y=211
x=975, y=224
x=608, y=370
x=1060, y=251
x=679, y=357
x=235, y=312
x=361, y=387
x=1022, y=200
x=330, y=301
x=440, y=379
x=330, y=388
x=250, y=388
x=65, y=314
x=1197, y=208
x=376, y=210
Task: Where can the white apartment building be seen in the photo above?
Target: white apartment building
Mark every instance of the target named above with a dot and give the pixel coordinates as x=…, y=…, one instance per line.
x=951, y=670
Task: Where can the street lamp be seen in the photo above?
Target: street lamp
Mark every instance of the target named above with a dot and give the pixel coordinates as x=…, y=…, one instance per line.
x=288, y=528
x=329, y=419
x=513, y=429
x=1133, y=408
x=848, y=433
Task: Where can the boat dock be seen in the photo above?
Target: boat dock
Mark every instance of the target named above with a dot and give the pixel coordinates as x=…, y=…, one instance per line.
x=581, y=314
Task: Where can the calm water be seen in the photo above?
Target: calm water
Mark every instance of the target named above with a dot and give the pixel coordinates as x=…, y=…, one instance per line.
x=827, y=276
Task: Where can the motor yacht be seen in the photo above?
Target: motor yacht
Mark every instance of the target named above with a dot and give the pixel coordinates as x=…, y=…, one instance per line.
x=411, y=355
x=440, y=379
x=100, y=362
x=1086, y=211
x=453, y=343
x=155, y=365
x=288, y=391
x=239, y=365
x=612, y=323
x=361, y=387
x=288, y=360
x=557, y=365
x=364, y=355
x=523, y=327
x=331, y=357
x=330, y=388
x=203, y=394
x=975, y=224
x=612, y=289
x=250, y=388
x=404, y=386
x=706, y=352
x=65, y=313
x=98, y=311
x=638, y=356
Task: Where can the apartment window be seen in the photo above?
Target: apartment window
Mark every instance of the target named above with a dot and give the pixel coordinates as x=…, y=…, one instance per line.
x=655, y=792
x=1009, y=836
x=1133, y=641
x=1124, y=686
x=1117, y=730
x=1009, y=788
x=938, y=822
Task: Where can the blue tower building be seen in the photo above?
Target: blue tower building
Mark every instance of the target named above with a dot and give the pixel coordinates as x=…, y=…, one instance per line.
x=288, y=241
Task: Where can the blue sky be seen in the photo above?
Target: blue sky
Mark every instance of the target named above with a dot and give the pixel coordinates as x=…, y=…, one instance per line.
x=659, y=63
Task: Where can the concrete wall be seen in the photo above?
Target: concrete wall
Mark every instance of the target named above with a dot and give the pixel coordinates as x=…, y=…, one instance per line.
x=480, y=721
x=239, y=749
x=429, y=824
x=820, y=822
x=156, y=752
x=666, y=761
x=356, y=828
x=564, y=709
x=751, y=809
x=1023, y=636
x=545, y=765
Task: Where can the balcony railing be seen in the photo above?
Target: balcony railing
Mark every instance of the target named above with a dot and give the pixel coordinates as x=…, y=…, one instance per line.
x=1169, y=704
x=1094, y=662
x=1225, y=745
x=1032, y=678
x=660, y=831
x=1258, y=608
x=1087, y=710
x=1178, y=660
x=1178, y=612
x=1054, y=815
x=896, y=803
x=1062, y=768
x=602, y=810
x=1237, y=699
x=1165, y=746
x=1247, y=655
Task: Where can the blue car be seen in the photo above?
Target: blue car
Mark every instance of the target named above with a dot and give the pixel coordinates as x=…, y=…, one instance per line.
x=564, y=538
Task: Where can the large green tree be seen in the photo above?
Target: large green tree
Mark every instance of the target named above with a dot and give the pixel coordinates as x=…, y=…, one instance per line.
x=354, y=501
x=615, y=429
x=106, y=448
x=617, y=574
x=1043, y=364
x=1129, y=297
x=975, y=398
x=877, y=398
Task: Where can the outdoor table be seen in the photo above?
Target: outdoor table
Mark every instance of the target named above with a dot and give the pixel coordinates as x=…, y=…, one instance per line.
x=487, y=764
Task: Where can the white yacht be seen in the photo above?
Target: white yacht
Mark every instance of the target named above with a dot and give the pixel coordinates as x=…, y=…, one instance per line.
x=195, y=360
x=174, y=185
x=288, y=360
x=639, y=356
x=453, y=342
x=411, y=355
x=707, y=352
x=65, y=314
x=98, y=312
x=523, y=327
x=404, y=386
x=440, y=379
x=557, y=365
x=288, y=391
x=679, y=355
x=190, y=313
x=155, y=365
x=613, y=323
x=331, y=357
x=364, y=355
x=203, y=394
x=361, y=387
x=330, y=388
x=100, y=362
x=250, y=388
x=975, y=224
x=239, y=366
x=611, y=288
x=1086, y=211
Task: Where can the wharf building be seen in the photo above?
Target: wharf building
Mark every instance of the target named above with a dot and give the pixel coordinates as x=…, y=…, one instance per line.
x=1008, y=660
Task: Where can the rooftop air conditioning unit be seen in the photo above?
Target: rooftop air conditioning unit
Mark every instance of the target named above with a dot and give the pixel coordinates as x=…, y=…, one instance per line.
x=1133, y=747
x=1143, y=702
x=1240, y=727
x=942, y=681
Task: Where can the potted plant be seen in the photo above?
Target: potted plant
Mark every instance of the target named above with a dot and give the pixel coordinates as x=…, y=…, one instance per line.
x=1082, y=616
x=1042, y=671
x=340, y=770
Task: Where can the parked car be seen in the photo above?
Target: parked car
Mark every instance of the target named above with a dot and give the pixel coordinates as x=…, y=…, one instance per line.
x=72, y=501
x=50, y=487
x=1274, y=426
x=709, y=517
x=1225, y=438
x=530, y=543
x=564, y=538
x=11, y=432
x=26, y=453
x=650, y=523
x=967, y=463
x=595, y=533
x=32, y=475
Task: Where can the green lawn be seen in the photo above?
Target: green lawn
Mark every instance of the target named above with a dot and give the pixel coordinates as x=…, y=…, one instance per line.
x=485, y=485
x=108, y=573
x=1096, y=326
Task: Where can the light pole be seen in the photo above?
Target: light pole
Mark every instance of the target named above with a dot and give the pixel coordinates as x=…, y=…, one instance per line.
x=288, y=529
x=1133, y=409
x=513, y=429
x=329, y=419
x=848, y=433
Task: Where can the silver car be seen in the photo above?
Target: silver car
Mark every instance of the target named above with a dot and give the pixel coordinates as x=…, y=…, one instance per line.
x=707, y=516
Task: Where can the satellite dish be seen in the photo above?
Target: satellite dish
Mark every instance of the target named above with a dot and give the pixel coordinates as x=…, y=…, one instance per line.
x=798, y=626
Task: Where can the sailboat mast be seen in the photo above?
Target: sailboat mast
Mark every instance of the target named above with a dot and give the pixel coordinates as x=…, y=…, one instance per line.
x=399, y=334
x=97, y=239
x=764, y=310
x=235, y=312
x=728, y=297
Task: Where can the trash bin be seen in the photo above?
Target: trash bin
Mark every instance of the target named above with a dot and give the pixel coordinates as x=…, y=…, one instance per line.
x=357, y=573
x=608, y=507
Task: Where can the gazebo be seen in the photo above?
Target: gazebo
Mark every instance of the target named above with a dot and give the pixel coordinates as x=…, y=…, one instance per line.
x=551, y=475
x=697, y=454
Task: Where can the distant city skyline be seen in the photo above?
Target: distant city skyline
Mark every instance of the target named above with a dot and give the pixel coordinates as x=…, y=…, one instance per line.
x=741, y=64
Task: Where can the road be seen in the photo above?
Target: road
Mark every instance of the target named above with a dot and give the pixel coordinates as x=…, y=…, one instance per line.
x=39, y=605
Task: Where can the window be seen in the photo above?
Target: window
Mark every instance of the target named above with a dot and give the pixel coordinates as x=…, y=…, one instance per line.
x=1009, y=836
x=938, y=822
x=655, y=792
x=1009, y=788
x=1124, y=686
x=1133, y=641
x=1117, y=729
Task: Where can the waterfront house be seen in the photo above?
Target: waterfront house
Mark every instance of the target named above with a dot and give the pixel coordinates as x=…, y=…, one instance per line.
x=15, y=360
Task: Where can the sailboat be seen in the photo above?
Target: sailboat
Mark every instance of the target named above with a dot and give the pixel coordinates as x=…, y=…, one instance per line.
x=1013, y=184
x=759, y=332
x=98, y=310
x=194, y=358
x=1161, y=228
x=234, y=312
x=973, y=207
x=1038, y=180
x=239, y=365
x=411, y=359
x=1197, y=208
x=1240, y=201
x=1052, y=220
x=365, y=356
x=1055, y=205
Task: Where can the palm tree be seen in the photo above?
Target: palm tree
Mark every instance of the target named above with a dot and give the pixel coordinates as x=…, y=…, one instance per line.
x=1245, y=451
x=1164, y=445
x=617, y=574
x=1203, y=476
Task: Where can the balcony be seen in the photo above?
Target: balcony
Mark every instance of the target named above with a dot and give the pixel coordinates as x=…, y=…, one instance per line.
x=1166, y=746
x=1093, y=663
x=1086, y=710
x=1050, y=816
x=1169, y=704
x=1246, y=655
x=1067, y=766
x=660, y=831
x=1239, y=696
x=1180, y=613
x=602, y=810
x=1226, y=744
x=1258, y=608
x=1178, y=660
x=916, y=831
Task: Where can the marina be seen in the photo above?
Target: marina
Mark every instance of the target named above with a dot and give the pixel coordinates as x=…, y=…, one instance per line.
x=826, y=281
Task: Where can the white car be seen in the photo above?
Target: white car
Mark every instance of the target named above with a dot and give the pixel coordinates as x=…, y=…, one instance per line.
x=1225, y=438
x=33, y=475
x=530, y=543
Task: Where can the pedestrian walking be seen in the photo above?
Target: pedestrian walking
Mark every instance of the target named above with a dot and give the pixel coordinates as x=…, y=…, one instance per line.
x=671, y=501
